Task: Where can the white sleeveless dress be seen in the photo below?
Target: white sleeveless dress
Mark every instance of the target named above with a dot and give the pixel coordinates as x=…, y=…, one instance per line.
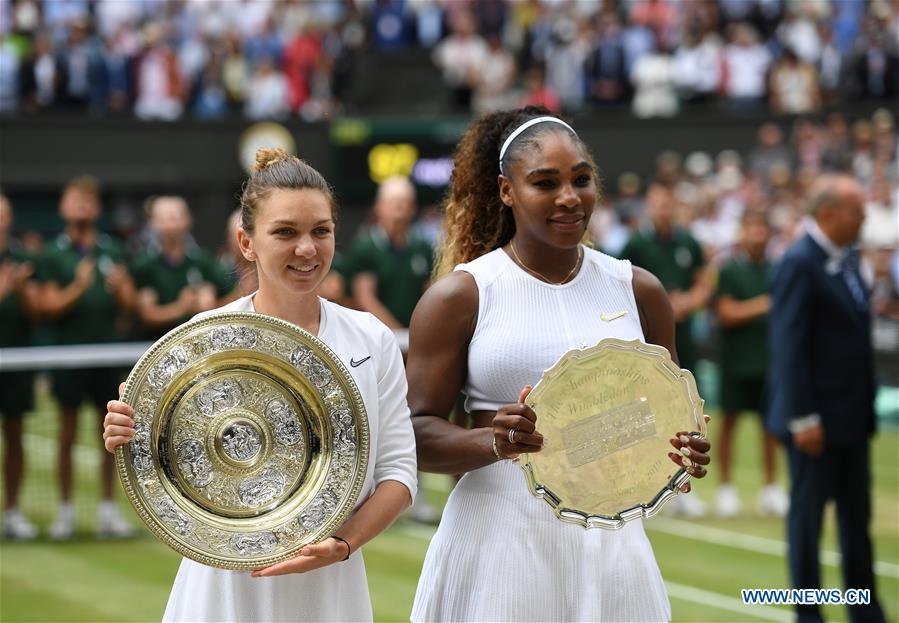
x=500, y=554
x=338, y=592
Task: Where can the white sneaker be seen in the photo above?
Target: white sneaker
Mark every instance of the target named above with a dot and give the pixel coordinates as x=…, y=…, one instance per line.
x=774, y=501
x=63, y=527
x=688, y=505
x=110, y=522
x=17, y=527
x=727, y=502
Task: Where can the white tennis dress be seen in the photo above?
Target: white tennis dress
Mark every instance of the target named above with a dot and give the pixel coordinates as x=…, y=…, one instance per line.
x=500, y=554
x=338, y=592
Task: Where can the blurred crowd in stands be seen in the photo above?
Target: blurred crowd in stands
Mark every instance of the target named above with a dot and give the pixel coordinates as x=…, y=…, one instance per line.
x=166, y=59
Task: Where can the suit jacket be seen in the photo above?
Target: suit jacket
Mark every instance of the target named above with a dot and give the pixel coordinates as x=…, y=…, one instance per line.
x=822, y=359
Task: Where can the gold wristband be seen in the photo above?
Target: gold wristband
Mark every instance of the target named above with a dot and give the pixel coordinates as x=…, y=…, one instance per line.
x=496, y=451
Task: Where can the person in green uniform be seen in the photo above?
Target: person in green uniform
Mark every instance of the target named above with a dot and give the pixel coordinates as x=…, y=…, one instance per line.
x=85, y=290
x=176, y=279
x=389, y=267
x=18, y=301
x=742, y=306
x=672, y=254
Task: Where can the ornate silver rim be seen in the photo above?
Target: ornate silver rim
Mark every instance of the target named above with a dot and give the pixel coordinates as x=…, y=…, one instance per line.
x=310, y=513
x=680, y=477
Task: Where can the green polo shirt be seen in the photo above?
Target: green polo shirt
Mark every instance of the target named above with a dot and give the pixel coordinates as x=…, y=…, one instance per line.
x=744, y=349
x=152, y=270
x=674, y=261
x=15, y=330
x=94, y=317
x=401, y=273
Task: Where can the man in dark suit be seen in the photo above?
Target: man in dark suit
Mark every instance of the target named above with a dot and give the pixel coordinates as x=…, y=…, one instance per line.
x=822, y=381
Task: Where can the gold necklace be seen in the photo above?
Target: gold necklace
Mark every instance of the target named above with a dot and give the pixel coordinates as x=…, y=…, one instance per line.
x=580, y=255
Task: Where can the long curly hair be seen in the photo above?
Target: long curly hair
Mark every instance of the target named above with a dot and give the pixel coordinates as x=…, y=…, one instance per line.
x=476, y=221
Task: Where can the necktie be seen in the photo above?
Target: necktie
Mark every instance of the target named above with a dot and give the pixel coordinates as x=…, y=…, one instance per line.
x=851, y=275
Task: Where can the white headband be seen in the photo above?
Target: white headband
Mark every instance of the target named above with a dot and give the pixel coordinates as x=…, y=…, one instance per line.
x=524, y=126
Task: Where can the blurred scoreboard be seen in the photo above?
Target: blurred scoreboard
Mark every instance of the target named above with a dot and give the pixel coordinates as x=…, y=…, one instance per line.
x=367, y=151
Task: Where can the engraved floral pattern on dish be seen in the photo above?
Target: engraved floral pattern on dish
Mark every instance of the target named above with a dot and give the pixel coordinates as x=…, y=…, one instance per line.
x=288, y=430
x=173, y=517
x=232, y=337
x=257, y=491
x=170, y=364
x=321, y=509
x=225, y=394
x=193, y=463
x=258, y=544
x=241, y=441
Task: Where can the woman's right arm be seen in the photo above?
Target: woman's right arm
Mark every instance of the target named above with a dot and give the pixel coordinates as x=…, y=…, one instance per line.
x=436, y=366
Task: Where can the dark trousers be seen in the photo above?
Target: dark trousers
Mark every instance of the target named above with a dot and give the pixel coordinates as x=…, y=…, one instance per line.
x=843, y=475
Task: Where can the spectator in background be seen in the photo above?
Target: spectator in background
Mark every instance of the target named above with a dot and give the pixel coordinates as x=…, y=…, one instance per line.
x=873, y=66
x=746, y=64
x=82, y=68
x=460, y=56
x=742, y=306
x=84, y=292
x=770, y=152
x=159, y=86
x=794, y=86
x=235, y=71
x=537, y=93
x=9, y=74
x=837, y=149
x=564, y=58
x=495, y=79
x=40, y=76
x=863, y=155
x=18, y=308
x=673, y=255
x=389, y=26
x=607, y=77
x=267, y=96
x=830, y=66
x=697, y=66
x=822, y=388
x=176, y=279
x=389, y=270
x=301, y=55
x=654, y=88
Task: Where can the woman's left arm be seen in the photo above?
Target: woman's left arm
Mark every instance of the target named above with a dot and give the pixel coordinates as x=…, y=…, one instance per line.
x=395, y=471
x=657, y=320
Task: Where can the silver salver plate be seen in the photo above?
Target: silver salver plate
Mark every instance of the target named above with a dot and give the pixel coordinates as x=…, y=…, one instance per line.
x=251, y=441
x=608, y=413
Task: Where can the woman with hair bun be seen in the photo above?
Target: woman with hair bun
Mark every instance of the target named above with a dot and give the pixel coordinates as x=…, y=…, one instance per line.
x=521, y=290
x=288, y=216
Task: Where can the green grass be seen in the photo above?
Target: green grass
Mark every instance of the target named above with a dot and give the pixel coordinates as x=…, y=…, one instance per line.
x=90, y=580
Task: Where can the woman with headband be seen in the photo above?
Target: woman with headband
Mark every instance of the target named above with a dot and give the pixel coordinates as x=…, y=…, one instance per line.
x=521, y=290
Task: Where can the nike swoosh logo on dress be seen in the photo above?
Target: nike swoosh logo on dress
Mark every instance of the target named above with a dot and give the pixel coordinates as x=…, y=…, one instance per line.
x=356, y=364
x=611, y=317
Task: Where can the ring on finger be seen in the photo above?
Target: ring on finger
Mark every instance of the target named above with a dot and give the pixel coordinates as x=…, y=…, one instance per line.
x=512, y=435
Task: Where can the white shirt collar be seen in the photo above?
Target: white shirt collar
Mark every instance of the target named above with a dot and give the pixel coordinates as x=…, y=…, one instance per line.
x=835, y=254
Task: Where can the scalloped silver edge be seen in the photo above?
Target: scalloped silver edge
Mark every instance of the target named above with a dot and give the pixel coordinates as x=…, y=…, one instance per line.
x=681, y=477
